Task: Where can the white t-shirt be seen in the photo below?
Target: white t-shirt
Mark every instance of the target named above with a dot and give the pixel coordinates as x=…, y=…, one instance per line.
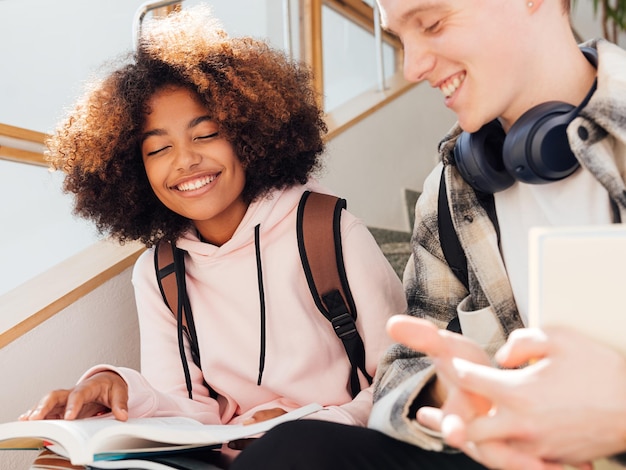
x=576, y=200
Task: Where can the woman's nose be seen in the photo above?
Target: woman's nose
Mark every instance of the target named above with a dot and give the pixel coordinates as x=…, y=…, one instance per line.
x=187, y=158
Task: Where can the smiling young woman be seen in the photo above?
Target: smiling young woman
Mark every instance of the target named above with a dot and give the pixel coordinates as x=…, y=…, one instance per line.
x=210, y=142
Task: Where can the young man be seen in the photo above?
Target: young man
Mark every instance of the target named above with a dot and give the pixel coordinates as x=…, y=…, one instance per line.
x=540, y=140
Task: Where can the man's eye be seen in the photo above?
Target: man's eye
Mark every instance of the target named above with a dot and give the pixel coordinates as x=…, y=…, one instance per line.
x=433, y=27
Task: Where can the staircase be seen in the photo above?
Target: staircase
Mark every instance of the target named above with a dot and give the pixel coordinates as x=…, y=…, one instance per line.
x=395, y=244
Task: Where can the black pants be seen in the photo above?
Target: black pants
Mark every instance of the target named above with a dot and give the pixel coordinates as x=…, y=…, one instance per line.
x=321, y=445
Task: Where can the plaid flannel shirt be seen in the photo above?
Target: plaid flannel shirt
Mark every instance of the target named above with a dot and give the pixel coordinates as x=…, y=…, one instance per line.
x=598, y=139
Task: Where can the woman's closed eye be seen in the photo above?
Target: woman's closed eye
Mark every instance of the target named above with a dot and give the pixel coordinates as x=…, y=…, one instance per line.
x=154, y=152
x=208, y=136
x=158, y=150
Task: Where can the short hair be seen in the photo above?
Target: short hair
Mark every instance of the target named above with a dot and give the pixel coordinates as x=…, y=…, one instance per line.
x=263, y=102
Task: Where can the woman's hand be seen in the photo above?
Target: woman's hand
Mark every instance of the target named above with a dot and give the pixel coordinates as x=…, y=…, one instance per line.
x=259, y=416
x=264, y=415
x=102, y=392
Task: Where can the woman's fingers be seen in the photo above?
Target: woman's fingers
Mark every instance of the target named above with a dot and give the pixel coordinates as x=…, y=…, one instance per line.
x=50, y=406
x=102, y=392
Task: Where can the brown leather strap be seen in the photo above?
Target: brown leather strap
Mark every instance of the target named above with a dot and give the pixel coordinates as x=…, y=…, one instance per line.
x=166, y=275
x=319, y=242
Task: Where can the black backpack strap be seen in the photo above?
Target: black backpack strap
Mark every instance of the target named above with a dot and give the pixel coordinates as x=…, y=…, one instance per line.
x=164, y=265
x=319, y=242
x=451, y=246
x=169, y=262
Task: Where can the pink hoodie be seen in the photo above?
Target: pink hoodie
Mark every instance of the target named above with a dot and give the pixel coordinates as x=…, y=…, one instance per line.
x=304, y=360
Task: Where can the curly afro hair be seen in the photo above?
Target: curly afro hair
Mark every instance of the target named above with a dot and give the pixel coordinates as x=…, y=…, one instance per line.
x=263, y=102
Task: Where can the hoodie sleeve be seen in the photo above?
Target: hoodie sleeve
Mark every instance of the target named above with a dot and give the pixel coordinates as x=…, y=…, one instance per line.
x=160, y=389
x=145, y=401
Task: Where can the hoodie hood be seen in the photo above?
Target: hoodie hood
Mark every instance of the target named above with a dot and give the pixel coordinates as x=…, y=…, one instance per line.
x=260, y=218
x=267, y=211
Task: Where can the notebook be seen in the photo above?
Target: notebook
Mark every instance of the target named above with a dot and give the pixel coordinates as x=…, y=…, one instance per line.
x=577, y=277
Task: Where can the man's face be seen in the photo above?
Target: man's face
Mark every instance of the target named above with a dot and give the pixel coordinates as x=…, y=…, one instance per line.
x=470, y=51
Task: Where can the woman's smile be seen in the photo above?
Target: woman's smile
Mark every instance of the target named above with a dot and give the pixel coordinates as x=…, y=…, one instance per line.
x=193, y=184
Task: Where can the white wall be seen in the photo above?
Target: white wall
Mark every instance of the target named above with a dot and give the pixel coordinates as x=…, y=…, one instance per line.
x=99, y=328
x=395, y=148
x=39, y=229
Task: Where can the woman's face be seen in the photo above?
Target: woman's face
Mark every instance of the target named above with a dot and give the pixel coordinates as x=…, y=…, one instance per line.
x=192, y=170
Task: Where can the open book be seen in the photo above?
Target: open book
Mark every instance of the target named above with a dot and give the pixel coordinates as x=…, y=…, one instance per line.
x=86, y=441
x=576, y=279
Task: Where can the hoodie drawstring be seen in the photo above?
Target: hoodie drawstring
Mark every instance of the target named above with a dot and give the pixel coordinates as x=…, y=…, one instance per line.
x=259, y=270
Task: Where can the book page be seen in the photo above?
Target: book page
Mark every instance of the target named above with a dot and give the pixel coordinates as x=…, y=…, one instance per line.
x=576, y=279
x=155, y=432
x=88, y=440
x=72, y=436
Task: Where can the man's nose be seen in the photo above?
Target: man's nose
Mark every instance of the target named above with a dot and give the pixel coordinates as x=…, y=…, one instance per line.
x=418, y=61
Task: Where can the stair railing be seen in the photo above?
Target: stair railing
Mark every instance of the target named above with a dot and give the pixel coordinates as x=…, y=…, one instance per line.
x=143, y=10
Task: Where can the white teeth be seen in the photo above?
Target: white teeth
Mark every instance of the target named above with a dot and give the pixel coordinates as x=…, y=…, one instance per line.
x=450, y=87
x=195, y=184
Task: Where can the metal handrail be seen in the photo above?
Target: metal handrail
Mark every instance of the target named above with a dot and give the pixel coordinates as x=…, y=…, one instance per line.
x=287, y=27
x=143, y=10
x=378, y=41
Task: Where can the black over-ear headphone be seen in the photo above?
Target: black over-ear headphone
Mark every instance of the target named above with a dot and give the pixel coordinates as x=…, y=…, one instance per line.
x=535, y=150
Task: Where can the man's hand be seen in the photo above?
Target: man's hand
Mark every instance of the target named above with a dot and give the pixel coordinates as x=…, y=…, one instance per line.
x=442, y=347
x=568, y=405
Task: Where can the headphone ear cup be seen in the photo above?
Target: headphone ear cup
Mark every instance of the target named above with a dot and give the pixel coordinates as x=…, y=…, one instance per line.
x=478, y=157
x=536, y=149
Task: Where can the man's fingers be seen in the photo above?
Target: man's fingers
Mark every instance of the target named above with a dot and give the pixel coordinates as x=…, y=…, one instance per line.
x=416, y=333
x=482, y=380
x=453, y=430
x=496, y=426
x=465, y=404
x=430, y=417
x=523, y=345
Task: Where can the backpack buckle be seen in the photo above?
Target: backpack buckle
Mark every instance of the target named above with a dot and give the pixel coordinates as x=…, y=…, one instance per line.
x=344, y=325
